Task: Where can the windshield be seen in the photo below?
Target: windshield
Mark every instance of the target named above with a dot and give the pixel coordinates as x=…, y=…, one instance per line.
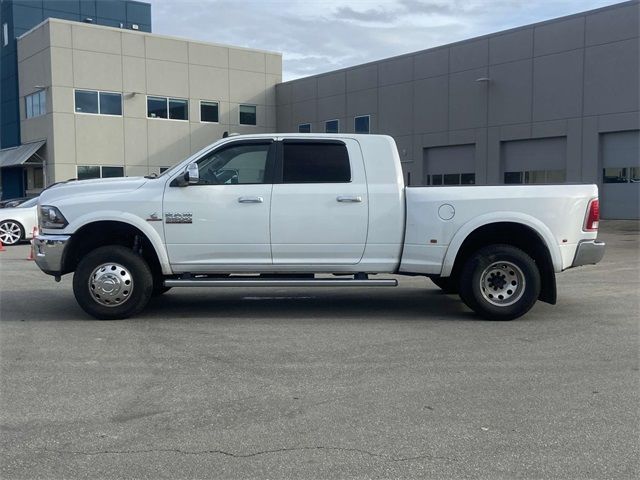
x=29, y=203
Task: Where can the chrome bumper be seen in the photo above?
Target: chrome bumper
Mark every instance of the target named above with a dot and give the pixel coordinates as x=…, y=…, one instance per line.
x=588, y=252
x=49, y=250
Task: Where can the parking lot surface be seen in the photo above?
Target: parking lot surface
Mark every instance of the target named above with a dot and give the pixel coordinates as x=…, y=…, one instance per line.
x=323, y=383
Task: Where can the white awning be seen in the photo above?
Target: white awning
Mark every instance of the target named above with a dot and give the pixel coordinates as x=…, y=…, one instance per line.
x=16, y=156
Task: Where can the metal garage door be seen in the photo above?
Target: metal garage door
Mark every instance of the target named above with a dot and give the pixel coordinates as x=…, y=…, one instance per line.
x=451, y=165
x=540, y=160
x=620, y=159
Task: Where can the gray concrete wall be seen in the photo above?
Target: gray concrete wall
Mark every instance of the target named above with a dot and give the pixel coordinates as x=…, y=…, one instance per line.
x=63, y=56
x=574, y=77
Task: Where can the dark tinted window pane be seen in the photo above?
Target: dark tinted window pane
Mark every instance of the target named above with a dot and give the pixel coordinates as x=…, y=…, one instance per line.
x=247, y=115
x=468, y=179
x=178, y=109
x=110, y=103
x=436, y=179
x=614, y=175
x=304, y=128
x=156, y=107
x=86, y=101
x=316, y=163
x=109, y=172
x=208, y=112
x=512, y=177
x=452, y=179
x=234, y=165
x=87, y=171
x=332, y=126
x=362, y=124
x=634, y=174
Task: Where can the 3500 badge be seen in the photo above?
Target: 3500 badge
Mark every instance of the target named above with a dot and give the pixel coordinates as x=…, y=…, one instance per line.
x=178, y=218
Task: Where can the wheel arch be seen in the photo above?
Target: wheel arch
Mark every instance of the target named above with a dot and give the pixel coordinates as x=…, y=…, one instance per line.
x=527, y=237
x=94, y=234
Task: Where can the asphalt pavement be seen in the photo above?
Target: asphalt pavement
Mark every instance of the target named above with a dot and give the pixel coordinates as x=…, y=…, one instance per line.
x=323, y=383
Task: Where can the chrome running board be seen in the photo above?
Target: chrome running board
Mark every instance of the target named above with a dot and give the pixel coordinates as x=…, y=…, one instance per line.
x=280, y=282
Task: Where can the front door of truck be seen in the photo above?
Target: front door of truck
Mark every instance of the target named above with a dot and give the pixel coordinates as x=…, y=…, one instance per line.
x=319, y=208
x=224, y=219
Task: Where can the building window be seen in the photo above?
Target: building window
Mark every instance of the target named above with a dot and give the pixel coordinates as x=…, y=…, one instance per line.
x=164, y=169
x=86, y=172
x=311, y=162
x=533, y=177
x=171, y=108
x=621, y=175
x=362, y=124
x=247, y=115
x=209, y=112
x=304, y=128
x=332, y=126
x=36, y=104
x=99, y=103
x=451, y=179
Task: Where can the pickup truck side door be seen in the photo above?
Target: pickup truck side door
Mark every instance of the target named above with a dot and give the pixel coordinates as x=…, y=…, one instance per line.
x=319, y=206
x=224, y=219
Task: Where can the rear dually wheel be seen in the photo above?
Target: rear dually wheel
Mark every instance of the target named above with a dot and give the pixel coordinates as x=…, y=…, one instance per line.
x=500, y=282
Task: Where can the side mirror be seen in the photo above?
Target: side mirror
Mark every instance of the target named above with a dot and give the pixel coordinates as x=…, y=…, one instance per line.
x=192, y=174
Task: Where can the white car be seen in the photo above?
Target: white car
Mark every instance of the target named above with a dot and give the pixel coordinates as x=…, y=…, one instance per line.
x=17, y=223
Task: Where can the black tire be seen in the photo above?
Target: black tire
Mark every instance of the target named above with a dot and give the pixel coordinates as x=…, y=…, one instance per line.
x=447, y=284
x=486, y=262
x=14, y=223
x=138, y=271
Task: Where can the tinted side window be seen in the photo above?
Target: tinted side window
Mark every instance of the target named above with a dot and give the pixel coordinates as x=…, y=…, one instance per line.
x=235, y=165
x=308, y=162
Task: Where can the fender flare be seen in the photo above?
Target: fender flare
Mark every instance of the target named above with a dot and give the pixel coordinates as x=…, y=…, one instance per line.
x=501, y=217
x=134, y=221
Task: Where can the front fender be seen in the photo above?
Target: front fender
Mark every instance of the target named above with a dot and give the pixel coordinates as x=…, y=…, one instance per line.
x=124, y=217
x=500, y=217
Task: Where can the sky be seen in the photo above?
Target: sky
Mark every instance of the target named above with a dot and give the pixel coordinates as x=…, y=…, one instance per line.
x=319, y=36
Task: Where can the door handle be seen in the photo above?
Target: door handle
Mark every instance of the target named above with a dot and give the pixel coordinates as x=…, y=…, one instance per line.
x=347, y=199
x=250, y=199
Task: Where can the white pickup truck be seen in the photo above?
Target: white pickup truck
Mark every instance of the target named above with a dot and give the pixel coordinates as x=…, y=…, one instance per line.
x=311, y=210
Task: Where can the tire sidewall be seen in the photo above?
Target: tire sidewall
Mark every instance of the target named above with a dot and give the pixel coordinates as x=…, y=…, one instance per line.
x=470, y=290
x=142, y=279
x=22, y=234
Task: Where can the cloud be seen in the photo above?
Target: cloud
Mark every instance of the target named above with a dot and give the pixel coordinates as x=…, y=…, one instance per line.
x=317, y=36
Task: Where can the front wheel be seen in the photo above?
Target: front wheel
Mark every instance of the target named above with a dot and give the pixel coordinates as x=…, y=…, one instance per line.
x=112, y=283
x=500, y=282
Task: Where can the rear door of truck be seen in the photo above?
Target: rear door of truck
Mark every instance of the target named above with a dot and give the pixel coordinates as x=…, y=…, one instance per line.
x=319, y=206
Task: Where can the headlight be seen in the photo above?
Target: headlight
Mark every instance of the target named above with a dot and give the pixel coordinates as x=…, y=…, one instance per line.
x=50, y=217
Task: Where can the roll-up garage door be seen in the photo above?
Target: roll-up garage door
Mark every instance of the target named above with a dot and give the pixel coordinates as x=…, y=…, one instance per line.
x=450, y=165
x=620, y=190
x=540, y=160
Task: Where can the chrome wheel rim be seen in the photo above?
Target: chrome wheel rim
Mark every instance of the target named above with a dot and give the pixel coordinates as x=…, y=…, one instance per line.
x=502, y=283
x=10, y=233
x=111, y=284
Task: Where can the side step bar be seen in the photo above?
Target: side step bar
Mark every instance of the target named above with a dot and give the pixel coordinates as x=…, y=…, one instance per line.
x=281, y=282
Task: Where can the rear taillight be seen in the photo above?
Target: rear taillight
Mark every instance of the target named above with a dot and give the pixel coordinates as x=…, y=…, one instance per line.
x=593, y=216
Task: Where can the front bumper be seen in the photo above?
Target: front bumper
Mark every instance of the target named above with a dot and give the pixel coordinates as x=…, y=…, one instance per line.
x=589, y=252
x=49, y=252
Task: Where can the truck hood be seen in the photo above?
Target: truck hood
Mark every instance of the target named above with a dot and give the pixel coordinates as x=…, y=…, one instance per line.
x=93, y=187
